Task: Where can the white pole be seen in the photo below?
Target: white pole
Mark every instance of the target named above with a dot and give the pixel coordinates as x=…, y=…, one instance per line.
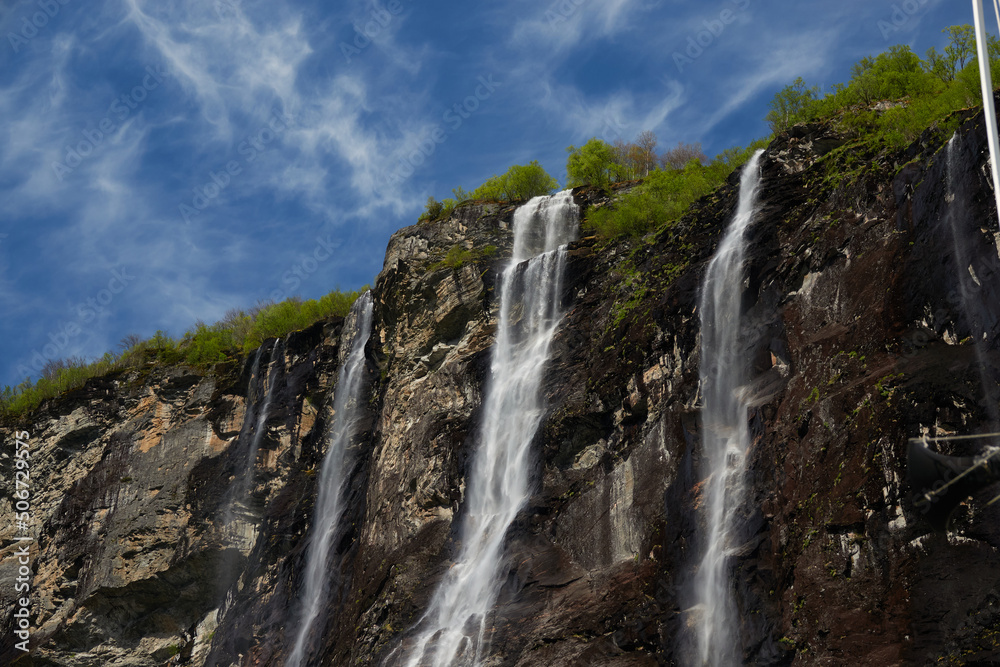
x=986, y=79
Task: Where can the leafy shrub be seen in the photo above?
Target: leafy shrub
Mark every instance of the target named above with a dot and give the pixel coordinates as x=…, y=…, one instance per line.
x=591, y=164
x=456, y=257
x=600, y=164
x=459, y=256
x=433, y=210
x=793, y=104
x=732, y=159
x=892, y=97
x=665, y=195
x=209, y=345
x=523, y=182
x=519, y=183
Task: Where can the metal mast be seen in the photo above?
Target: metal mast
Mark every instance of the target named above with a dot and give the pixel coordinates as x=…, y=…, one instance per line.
x=986, y=80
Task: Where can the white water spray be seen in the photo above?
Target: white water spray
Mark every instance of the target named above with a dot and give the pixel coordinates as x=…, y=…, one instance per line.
x=724, y=424
x=239, y=524
x=240, y=491
x=333, y=475
x=973, y=307
x=261, y=427
x=454, y=626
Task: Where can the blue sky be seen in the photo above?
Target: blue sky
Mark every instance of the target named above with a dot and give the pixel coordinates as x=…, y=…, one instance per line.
x=162, y=162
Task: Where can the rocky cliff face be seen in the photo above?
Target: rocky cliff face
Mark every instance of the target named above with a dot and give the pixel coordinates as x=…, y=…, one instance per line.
x=860, y=339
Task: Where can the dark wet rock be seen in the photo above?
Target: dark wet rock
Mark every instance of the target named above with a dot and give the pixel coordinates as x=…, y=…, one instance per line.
x=857, y=341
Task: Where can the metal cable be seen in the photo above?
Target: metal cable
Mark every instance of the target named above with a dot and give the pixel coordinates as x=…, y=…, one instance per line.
x=946, y=438
x=981, y=463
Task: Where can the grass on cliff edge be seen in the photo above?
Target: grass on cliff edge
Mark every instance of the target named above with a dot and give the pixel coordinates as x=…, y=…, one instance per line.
x=889, y=101
x=235, y=336
x=666, y=194
x=519, y=183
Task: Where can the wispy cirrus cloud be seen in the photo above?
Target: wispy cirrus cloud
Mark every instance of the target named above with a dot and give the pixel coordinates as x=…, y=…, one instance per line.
x=117, y=200
x=560, y=26
x=564, y=71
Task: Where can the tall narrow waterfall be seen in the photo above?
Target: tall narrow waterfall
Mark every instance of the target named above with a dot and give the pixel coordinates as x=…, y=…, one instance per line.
x=971, y=297
x=333, y=475
x=254, y=429
x=239, y=521
x=452, y=631
x=724, y=426
x=260, y=428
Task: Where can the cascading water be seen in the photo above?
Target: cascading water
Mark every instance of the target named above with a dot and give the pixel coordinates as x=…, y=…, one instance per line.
x=974, y=308
x=333, y=475
x=260, y=427
x=724, y=424
x=240, y=491
x=454, y=626
x=238, y=518
x=248, y=430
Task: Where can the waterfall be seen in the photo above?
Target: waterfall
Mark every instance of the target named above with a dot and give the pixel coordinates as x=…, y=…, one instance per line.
x=971, y=298
x=498, y=486
x=261, y=426
x=238, y=521
x=724, y=425
x=254, y=429
x=333, y=476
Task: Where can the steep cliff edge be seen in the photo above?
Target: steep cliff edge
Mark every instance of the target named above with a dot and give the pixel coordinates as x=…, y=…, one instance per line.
x=859, y=342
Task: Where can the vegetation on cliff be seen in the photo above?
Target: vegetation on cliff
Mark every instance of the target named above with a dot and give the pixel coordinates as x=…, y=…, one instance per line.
x=237, y=334
x=665, y=194
x=895, y=95
x=890, y=99
x=458, y=256
x=519, y=183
